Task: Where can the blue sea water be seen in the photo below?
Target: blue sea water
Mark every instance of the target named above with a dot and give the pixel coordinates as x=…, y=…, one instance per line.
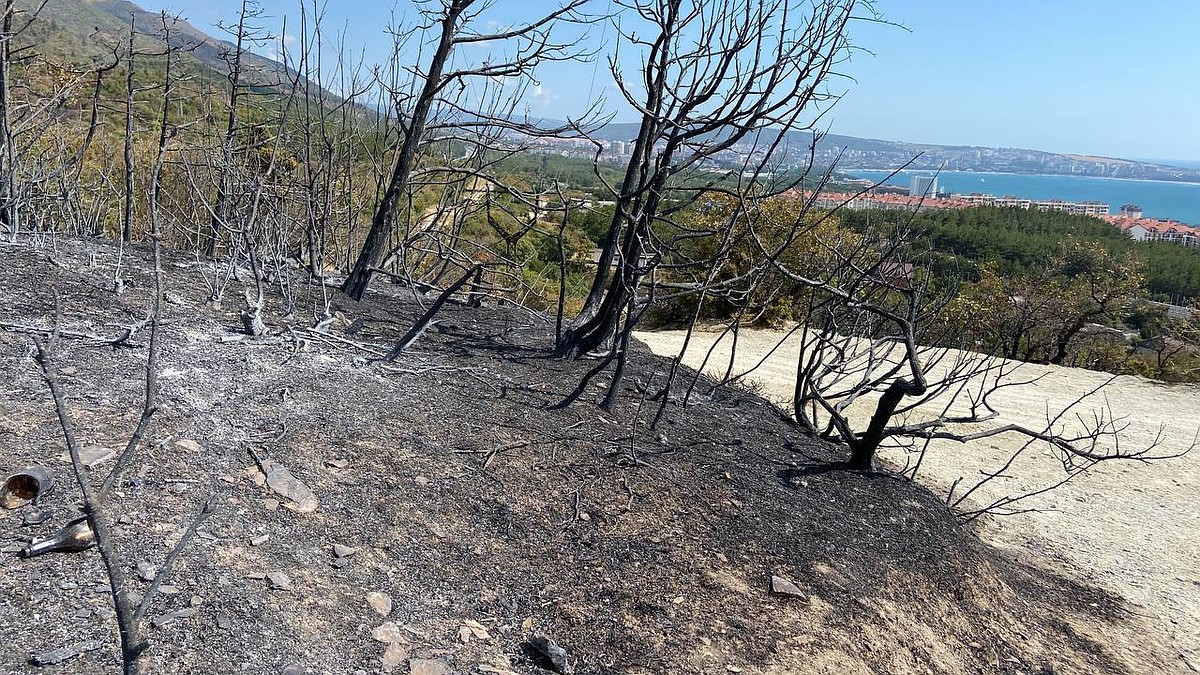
x=1158, y=199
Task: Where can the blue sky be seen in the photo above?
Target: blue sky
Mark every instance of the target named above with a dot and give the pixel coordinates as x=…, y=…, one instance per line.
x=1104, y=77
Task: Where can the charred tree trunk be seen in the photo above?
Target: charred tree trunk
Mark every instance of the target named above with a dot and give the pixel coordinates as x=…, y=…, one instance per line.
x=375, y=248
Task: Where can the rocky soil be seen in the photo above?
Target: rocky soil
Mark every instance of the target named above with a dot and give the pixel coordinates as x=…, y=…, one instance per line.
x=458, y=520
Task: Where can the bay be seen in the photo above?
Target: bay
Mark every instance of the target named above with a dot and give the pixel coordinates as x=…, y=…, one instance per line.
x=1158, y=199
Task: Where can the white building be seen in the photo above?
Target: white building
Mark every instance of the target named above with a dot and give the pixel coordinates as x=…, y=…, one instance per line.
x=923, y=186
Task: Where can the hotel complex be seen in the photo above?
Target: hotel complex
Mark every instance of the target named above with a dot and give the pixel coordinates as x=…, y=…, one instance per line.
x=1130, y=218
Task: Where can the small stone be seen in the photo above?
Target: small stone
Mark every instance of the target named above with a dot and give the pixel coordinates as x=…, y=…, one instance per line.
x=279, y=580
x=256, y=575
x=167, y=589
x=68, y=585
x=271, y=504
x=126, y=519
x=83, y=613
x=393, y=656
x=146, y=571
x=293, y=669
x=380, y=602
x=782, y=586
x=68, y=371
x=260, y=540
x=975, y=645
x=187, y=445
x=91, y=455
x=343, y=551
x=421, y=480
x=732, y=668
x=195, y=601
x=224, y=622
x=553, y=651
x=388, y=633
x=428, y=667
x=477, y=629
x=337, y=463
x=171, y=617
x=339, y=563
x=464, y=635
x=56, y=656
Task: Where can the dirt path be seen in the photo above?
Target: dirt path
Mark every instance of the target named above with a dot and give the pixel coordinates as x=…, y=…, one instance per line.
x=1131, y=527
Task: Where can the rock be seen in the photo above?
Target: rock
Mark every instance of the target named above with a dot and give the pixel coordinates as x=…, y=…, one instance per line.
x=271, y=504
x=380, y=602
x=388, y=633
x=343, y=551
x=91, y=455
x=260, y=540
x=558, y=656
x=786, y=587
x=224, y=622
x=428, y=667
x=56, y=656
x=167, y=589
x=393, y=656
x=173, y=298
x=146, y=571
x=279, y=580
x=337, y=463
x=171, y=617
x=83, y=613
x=421, y=480
x=477, y=629
x=339, y=563
x=293, y=669
x=187, y=445
x=284, y=484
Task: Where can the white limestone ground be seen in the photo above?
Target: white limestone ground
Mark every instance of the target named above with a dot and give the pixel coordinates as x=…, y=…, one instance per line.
x=1131, y=527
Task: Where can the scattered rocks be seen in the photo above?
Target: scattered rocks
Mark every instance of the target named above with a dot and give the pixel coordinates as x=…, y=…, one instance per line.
x=380, y=602
x=279, y=580
x=785, y=587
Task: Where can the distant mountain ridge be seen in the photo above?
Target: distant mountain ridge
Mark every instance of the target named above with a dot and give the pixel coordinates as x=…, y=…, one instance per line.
x=873, y=153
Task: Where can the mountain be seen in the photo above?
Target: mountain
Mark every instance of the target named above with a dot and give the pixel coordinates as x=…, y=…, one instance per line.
x=873, y=153
x=83, y=31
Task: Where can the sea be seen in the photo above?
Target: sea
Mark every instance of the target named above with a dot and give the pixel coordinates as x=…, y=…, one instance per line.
x=1158, y=199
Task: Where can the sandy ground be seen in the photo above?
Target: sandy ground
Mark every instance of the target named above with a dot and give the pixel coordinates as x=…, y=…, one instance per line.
x=1131, y=527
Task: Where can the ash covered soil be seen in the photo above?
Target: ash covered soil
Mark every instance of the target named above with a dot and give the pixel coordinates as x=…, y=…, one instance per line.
x=481, y=513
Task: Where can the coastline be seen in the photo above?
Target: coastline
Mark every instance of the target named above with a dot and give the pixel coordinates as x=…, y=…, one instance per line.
x=1030, y=175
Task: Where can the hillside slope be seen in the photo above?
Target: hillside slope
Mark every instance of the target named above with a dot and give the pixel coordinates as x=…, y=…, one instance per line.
x=468, y=499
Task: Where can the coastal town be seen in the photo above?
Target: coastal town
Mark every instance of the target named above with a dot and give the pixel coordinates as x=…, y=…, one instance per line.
x=922, y=193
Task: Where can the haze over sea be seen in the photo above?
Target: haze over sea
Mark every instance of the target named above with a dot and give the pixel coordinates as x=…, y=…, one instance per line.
x=1158, y=199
